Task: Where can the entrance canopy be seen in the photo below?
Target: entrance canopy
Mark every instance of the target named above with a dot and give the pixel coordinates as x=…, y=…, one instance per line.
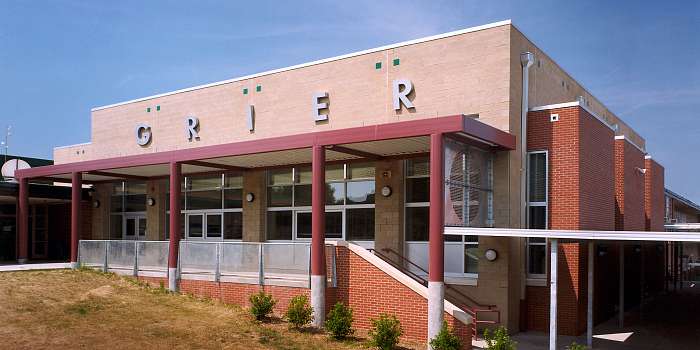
x=649, y=236
x=376, y=142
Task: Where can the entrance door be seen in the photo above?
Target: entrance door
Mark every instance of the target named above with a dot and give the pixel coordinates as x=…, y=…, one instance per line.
x=40, y=231
x=135, y=227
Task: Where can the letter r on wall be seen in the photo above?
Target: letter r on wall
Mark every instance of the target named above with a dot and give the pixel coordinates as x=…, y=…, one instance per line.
x=401, y=89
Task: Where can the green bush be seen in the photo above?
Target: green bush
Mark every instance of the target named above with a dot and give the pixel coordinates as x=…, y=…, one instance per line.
x=299, y=313
x=339, y=321
x=261, y=305
x=446, y=340
x=576, y=346
x=385, y=332
x=499, y=340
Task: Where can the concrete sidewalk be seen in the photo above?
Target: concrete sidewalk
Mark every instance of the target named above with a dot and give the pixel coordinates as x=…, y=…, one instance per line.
x=40, y=266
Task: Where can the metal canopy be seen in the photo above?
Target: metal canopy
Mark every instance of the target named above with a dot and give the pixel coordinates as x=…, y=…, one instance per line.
x=578, y=235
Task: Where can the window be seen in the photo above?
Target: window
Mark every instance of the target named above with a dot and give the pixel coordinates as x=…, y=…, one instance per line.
x=212, y=207
x=126, y=198
x=417, y=199
x=537, y=184
x=350, y=191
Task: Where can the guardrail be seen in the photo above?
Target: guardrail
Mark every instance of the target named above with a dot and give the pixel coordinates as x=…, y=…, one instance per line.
x=286, y=264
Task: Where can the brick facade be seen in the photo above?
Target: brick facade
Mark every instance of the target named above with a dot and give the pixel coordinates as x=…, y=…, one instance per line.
x=654, y=195
x=580, y=197
x=629, y=187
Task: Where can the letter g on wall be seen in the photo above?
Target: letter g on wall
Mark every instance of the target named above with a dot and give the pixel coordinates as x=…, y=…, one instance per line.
x=143, y=134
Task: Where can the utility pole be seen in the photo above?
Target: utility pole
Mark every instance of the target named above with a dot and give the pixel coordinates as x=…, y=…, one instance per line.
x=6, y=143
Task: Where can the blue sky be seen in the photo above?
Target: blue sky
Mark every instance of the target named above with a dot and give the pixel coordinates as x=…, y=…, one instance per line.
x=58, y=59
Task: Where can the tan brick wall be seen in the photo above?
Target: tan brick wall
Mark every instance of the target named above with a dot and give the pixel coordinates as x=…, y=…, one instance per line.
x=100, y=216
x=254, y=213
x=389, y=211
x=155, y=215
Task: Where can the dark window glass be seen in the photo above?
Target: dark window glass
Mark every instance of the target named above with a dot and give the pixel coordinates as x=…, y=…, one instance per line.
x=279, y=225
x=536, y=258
x=199, y=200
x=116, y=205
x=417, y=223
x=302, y=195
x=167, y=226
x=335, y=193
x=538, y=177
x=135, y=202
x=233, y=198
x=233, y=225
x=182, y=201
x=538, y=217
x=360, y=224
x=115, y=226
x=417, y=190
x=195, y=225
x=7, y=209
x=279, y=196
x=360, y=192
x=213, y=225
x=471, y=259
x=334, y=225
x=130, y=227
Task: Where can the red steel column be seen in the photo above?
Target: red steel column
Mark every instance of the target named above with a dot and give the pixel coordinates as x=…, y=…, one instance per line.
x=22, y=220
x=75, y=216
x=318, y=234
x=175, y=180
x=436, y=244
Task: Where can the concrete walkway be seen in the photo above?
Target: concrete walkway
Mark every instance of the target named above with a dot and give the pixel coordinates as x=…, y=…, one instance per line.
x=670, y=321
x=40, y=266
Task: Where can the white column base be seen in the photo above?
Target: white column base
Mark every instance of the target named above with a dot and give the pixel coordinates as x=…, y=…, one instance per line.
x=436, y=307
x=74, y=265
x=21, y=261
x=172, y=279
x=318, y=300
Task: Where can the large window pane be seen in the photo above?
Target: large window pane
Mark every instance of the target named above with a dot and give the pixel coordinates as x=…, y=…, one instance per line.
x=417, y=190
x=135, y=187
x=279, y=225
x=279, y=196
x=538, y=217
x=280, y=177
x=116, y=205
x=204, y=183
x=418, y=167
x=213, y=225
x=335, y=193
x=116, y=226
x=334, y=224
x=233, y=225
x=335, y=172
x=199, y=200
x=361, y=171
x=536, y=258
x=537, y=177
x=233, y=181
x=302, y=195
x=303, y=175
x=471, y=258
x=360, y=192
x=233, y=198
x=417, y=223
x=304, y=225
x=360, y=224
x=135, y=202
x=195, y=225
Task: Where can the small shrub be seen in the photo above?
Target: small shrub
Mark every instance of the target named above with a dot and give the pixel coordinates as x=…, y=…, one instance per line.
x=446, y=340
x=576, y=346
x=261, y=305
x=385, y=332
x=498, y=340
x=299, y=313
x=339, y=321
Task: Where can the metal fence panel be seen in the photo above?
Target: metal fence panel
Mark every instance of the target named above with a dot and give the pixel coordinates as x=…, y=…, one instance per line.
x=121, y=254
x=153, y=256
x=198, y=257
x=239, y=259
x=286, y=259
x=92, y=253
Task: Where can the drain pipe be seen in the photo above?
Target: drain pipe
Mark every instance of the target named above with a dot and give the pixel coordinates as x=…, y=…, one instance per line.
x=526, y=60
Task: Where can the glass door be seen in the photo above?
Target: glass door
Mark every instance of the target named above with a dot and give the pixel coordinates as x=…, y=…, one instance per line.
x=134, y=227
x=40, y=232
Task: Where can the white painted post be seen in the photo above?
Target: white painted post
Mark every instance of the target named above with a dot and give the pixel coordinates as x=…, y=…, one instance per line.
x=136, y=259
x=105, y=268
x=621, y=316
x=553, y=294
x=261, y=267
x=217, y=270
x=589, y=319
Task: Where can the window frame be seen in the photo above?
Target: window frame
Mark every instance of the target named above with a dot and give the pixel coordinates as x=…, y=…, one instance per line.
x=545, y=204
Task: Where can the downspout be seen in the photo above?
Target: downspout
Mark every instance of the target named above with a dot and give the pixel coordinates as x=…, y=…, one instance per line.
x=526, y=60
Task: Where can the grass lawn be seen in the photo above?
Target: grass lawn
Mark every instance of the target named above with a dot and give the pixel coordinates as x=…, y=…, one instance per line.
x=62, y=309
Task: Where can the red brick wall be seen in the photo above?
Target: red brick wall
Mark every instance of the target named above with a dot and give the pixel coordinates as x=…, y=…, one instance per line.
x=629, y=187
x=361, y=285
x=654, y=211
x=581, y=196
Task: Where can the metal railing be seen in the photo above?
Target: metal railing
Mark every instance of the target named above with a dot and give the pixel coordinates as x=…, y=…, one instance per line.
x=285, y=264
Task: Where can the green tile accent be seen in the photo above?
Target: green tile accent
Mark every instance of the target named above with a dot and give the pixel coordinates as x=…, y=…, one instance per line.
x=245, y=91
x=158, y=108
x=148, y=110
x=258, y=88
x=378, y=65
x=396, y=61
